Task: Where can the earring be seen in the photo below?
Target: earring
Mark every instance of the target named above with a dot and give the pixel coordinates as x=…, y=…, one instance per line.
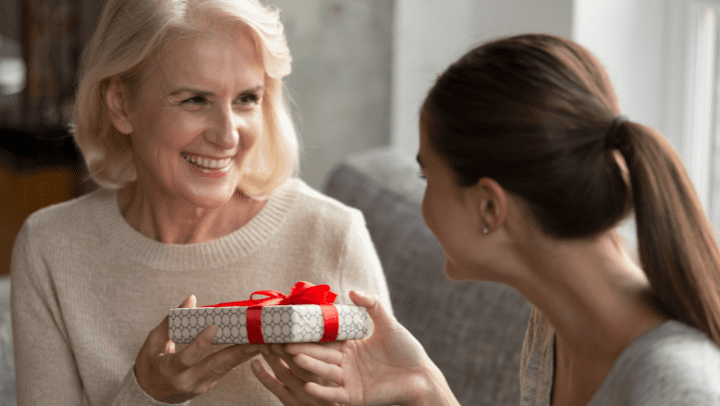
x=485, y=229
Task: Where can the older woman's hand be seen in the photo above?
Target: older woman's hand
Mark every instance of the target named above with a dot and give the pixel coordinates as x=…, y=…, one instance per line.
x=173, y=377
x=287, y=380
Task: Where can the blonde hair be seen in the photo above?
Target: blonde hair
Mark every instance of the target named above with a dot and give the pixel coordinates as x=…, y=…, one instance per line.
x=130, y=37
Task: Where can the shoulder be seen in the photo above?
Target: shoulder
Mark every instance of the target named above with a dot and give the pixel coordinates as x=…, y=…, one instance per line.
x=679, y=353
x=673, y=364
x=52, y=235
x=675, y=350
x=77, y=222
x=61, y=217
x=317, y=210
x=677, y=343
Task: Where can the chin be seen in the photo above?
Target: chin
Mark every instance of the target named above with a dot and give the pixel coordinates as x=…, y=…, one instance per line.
x=452, y=272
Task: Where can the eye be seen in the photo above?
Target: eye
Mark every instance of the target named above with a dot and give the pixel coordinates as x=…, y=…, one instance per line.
x=248, y=99
x=195, y=100
x=421, y=175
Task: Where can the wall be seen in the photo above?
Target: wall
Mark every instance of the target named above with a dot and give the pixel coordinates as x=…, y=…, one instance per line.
x=629, y=37
x=430, y=34
x=643, y=45
x=341, y=79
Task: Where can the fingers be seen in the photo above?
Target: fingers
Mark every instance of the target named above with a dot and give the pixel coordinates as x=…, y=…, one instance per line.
x=281, y=370
x=282, y=382
x=228, y=359
x=288, y=367
x=335, y=394
x=215, y=366
x=188, y=303
x=320, y=360
x=158, y=340
x=363, y=299
x=194, y=352
x=206, y=373
x=327, y=372
x=381, y=318
x=289, y=360
x=375, y=309
x=169, y=346
x=164, y=374
x=324, y=353
x=267, y=379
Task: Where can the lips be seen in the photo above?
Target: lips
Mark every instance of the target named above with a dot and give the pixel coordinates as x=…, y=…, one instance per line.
x=206, y=163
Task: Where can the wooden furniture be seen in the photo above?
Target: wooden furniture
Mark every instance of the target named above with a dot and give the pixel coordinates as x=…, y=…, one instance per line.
x=36, y=169
x=39, y=164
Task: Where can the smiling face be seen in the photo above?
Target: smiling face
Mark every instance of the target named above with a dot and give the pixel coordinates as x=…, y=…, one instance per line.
x=196, y=118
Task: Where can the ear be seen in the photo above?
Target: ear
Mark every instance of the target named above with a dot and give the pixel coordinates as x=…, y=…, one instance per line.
x=492, y=203
x=116, y=98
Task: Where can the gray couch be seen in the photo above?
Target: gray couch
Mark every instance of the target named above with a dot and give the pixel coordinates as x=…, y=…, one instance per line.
x=473, y=331
x=7, y=367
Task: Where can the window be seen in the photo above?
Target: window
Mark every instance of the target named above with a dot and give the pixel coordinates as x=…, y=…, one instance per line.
x=701, y=125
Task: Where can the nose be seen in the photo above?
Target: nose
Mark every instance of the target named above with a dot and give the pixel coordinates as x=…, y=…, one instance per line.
x=225, y=132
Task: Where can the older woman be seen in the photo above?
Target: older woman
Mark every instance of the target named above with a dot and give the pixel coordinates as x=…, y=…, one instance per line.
x=181, y=118
x=529, y=168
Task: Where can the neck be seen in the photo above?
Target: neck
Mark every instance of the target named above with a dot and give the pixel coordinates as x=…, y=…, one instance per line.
x=597, y=300
x=173, y=220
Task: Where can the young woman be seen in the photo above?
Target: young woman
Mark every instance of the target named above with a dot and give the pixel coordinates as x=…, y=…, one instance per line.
x=530, y=167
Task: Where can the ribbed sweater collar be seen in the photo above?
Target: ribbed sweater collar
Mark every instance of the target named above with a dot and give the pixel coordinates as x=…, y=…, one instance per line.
x=129, y=243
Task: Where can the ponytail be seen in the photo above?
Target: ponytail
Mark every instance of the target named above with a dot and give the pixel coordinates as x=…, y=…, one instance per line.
x=538, y=114
x=676, y=246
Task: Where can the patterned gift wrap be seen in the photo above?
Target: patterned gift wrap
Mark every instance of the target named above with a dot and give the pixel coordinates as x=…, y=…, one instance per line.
x=280, y=324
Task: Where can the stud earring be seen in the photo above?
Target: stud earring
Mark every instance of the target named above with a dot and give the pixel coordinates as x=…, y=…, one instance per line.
x=485, y=229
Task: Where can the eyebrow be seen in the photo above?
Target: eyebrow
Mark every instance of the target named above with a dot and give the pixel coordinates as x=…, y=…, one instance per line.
x=419, y=161
x=208, y=93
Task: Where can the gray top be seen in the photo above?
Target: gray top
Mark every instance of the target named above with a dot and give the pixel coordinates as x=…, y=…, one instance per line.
x=671, y=364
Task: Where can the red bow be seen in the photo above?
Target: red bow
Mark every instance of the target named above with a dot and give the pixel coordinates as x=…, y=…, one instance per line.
x=302, y=293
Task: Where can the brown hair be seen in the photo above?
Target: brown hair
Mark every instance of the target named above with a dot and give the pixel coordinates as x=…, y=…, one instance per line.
x=537, y=113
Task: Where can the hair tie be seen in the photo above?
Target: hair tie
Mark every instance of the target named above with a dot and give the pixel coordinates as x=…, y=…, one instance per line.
x=613, y=139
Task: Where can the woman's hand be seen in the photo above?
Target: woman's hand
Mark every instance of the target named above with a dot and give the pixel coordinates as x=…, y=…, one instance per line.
x=390, y=367
x=287, y=380
x=173, y=377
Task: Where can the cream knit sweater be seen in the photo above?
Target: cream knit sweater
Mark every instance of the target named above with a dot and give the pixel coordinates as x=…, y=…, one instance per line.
x=87, y=288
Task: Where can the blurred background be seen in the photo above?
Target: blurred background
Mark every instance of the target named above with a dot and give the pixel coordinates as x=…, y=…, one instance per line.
x=361, y=69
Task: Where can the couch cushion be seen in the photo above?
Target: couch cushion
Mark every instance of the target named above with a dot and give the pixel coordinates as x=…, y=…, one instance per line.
x=473, y=331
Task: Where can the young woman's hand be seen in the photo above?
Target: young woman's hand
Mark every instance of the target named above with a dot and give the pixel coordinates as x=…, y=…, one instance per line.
x=388, y=368
x=173, y=377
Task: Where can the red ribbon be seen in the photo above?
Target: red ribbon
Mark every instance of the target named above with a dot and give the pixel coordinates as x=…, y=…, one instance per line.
x=301, y=294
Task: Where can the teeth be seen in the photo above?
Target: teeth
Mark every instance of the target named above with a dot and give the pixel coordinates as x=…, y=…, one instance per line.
x=206, y=163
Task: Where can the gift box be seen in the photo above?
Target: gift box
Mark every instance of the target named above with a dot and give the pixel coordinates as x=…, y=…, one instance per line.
x=306, y=315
